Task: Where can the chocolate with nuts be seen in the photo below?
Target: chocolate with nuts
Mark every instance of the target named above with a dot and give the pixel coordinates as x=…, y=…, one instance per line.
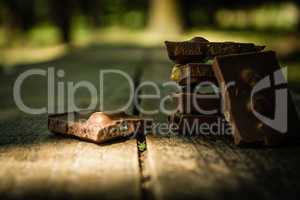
x=267, y=115
x=98, y=127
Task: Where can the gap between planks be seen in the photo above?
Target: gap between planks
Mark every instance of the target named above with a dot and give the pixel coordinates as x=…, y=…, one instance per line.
x=141, y=144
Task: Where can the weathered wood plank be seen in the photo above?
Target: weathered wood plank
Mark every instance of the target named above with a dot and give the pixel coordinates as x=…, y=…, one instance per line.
x=40, y=163
x=270, y=173
x=37, y=164
x=182, y=170
x=209, y=168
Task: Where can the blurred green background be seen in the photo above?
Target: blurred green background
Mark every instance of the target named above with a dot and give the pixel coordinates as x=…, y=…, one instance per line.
x=34, y=31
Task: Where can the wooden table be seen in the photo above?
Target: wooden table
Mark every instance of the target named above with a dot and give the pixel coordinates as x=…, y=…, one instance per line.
x=36, y=164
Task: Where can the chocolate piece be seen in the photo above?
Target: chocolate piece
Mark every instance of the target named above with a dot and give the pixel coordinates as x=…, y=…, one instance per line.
x=193, y=73
x=193, y=125
x=98, y=127
x=192, y=103
x=195, y=51
x=260, y=117
x=199, y=39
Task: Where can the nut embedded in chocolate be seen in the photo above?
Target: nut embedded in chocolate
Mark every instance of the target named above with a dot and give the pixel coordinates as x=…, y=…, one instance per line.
x=192, y=73
x=101, y=119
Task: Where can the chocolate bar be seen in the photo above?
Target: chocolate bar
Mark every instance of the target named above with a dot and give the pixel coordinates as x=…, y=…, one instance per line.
x=199, y=49
x=254, y=104
x=193, y=103
x=193, y=73
x=194, y=125
x=97, y=127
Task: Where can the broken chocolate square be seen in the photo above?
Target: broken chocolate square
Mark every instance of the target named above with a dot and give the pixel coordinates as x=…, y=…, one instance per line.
x=97, y=127
x=257, y=103
x=199, y=50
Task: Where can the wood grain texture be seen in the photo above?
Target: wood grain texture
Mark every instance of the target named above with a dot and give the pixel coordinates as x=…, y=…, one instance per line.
x=37, y=164
x=207, y=168
x=180, y=171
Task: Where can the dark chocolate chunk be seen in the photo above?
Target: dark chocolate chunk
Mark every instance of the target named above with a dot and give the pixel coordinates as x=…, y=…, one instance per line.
x=257, y=104
x=193, y=103
x=197, y=50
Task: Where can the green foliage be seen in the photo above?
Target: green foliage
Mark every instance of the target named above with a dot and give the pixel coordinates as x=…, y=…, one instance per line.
x=142, y=146
x=129, y=14
x=283, y=17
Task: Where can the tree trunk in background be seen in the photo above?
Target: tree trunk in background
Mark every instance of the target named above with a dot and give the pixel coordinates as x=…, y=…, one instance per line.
x=211, y=15
x=21, y=14
x=164, y=17
x=92, y=9
x=62, y=11
x=186, y=7
x=298, y=25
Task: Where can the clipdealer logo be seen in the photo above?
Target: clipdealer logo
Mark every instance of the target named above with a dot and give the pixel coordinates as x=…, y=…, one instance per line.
x=278, y=81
